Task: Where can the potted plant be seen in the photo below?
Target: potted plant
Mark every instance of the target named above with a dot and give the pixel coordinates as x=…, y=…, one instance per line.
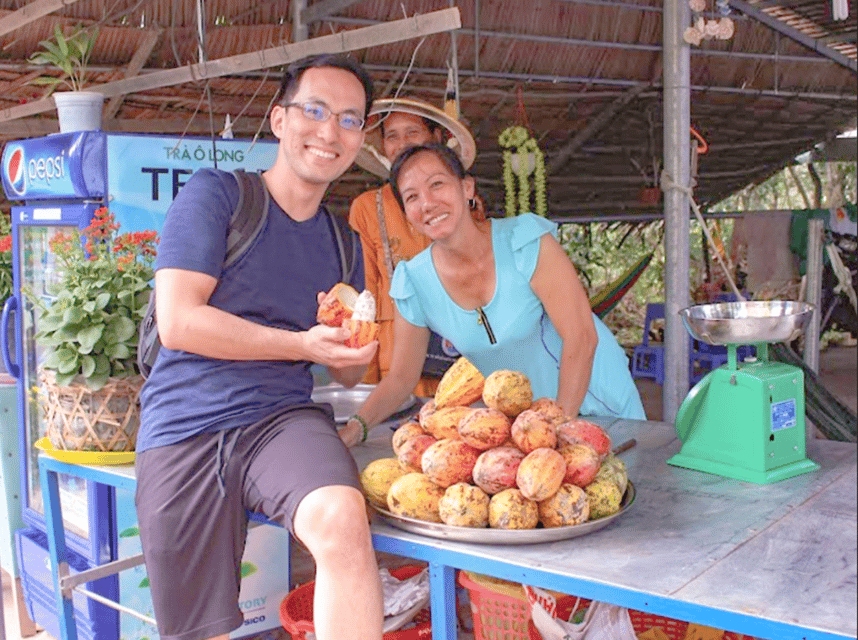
x=89, y=378
x=77, y=110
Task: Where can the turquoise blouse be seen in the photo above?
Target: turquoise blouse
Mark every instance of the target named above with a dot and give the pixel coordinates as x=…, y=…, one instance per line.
x=513, y=331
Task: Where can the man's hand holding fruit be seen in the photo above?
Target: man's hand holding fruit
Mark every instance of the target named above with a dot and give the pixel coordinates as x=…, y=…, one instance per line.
x=345, y=338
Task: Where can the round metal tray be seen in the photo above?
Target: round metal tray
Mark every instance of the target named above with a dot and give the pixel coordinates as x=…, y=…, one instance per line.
x=504, y=536
x=346, y=402
x=725, y=323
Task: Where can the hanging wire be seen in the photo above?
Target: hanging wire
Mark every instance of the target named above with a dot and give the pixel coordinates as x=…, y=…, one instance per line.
x=401, y=84
x=253, y=97
x=190, y=120
x=520, y=112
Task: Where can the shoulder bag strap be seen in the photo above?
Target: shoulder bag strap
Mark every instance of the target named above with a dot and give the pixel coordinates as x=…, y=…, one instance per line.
x=382, y=228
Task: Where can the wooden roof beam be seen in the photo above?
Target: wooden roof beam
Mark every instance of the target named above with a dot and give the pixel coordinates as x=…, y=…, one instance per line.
x=808, y=41
x=595, y=125
x=363, y=38
x=615, y=82
x=138, y=60
x=30, y=12
x=321, y=10
x=200, y=126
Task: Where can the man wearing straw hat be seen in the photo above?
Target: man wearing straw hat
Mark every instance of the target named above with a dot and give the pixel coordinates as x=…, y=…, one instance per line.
x=386, y=235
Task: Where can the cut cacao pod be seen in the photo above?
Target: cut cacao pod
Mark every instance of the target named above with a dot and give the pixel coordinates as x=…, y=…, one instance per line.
x=337, y=305
x=363, y=332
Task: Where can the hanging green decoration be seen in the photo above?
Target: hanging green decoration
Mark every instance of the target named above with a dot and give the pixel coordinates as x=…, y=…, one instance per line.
x=522, y=158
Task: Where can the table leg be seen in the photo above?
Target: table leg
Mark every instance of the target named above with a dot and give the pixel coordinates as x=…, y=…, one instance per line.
x=57, y=548
x=442, y=596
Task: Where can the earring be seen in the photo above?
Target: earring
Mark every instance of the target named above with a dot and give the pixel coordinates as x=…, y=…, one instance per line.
x=472, y=203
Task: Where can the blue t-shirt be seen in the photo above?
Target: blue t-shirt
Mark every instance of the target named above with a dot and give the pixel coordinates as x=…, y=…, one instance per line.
x=525, y=340
x=274, y=283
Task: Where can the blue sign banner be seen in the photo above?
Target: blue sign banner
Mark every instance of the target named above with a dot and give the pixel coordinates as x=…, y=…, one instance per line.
x=145, y=172
x=66, y=165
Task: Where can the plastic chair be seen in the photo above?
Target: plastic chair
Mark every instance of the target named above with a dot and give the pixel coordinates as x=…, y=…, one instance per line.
x=648, y=359
x=704, y=357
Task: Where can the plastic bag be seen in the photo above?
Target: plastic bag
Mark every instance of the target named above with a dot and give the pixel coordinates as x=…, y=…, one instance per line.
x=403, y=598
x=602, y=621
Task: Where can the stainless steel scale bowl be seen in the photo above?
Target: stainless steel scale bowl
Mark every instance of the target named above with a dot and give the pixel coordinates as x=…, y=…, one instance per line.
x=745, y=420
x=735, y=323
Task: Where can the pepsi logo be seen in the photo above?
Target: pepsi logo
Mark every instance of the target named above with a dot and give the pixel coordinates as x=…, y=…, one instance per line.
x=15, y=171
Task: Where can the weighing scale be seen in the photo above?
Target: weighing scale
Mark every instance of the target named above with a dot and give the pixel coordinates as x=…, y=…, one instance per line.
x=745, y=420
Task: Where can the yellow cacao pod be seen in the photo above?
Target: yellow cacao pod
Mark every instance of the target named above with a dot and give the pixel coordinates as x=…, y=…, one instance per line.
x=444, y=423
x=460, y=385
x=507, y=391
x=415, y=496
x=464, y=505
x=377, y=477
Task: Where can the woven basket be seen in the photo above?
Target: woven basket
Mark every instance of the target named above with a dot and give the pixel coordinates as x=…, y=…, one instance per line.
x=500, y=609
x=80, y=419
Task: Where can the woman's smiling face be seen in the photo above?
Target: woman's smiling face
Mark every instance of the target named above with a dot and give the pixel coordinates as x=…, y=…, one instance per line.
x=435, y=199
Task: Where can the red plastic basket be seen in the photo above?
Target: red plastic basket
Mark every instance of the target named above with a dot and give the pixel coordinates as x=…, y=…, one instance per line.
x=500, y=614
x=296, y=611
x=643, y=622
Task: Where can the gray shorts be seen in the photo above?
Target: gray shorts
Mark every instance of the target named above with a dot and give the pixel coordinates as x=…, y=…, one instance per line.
x=192, y=501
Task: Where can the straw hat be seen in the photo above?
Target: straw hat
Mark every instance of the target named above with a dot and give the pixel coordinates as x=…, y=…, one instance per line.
x=371, y=156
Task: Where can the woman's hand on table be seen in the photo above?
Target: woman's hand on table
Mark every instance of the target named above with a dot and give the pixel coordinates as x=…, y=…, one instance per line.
x=354, y=432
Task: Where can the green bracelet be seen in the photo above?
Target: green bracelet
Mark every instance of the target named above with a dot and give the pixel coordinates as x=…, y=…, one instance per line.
x=363, y=426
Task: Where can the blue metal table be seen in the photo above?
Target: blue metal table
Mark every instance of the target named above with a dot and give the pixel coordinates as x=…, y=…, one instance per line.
x=770, y=561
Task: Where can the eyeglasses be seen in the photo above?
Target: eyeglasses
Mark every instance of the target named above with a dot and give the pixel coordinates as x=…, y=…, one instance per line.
x=320, y=112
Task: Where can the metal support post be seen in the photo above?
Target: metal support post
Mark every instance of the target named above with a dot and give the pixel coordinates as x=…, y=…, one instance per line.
x=442, y=593
x=814, y=291
x=677, y=127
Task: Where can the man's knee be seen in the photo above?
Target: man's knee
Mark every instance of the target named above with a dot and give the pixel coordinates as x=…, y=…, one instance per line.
x=332, y=517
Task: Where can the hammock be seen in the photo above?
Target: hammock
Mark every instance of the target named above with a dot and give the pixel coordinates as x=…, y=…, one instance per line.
x=604, y=301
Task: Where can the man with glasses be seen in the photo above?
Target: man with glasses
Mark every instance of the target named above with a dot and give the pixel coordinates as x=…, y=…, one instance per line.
x=227, y=422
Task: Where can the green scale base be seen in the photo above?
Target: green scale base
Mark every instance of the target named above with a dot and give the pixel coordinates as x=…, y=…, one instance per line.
x=745, y=423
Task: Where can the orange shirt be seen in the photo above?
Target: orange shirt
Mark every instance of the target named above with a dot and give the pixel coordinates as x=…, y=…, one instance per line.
x=405, y=243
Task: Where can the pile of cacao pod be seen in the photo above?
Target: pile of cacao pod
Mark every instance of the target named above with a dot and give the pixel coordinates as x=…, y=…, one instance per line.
x=514, y=463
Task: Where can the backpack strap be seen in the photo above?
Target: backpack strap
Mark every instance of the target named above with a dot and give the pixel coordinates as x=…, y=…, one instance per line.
x=347, y=244
x=249, y=217
x=246, y=222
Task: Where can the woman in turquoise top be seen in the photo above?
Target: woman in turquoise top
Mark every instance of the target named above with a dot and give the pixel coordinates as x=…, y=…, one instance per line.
x=503, y=291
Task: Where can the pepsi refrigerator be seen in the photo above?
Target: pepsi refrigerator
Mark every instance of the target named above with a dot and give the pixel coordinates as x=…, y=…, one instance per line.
x=56, y=183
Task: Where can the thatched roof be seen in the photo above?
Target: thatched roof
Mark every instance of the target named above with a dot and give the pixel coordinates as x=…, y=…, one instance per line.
x=584, y=75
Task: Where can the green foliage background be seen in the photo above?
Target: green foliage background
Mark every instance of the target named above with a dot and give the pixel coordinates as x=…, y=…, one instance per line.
x=603, y=251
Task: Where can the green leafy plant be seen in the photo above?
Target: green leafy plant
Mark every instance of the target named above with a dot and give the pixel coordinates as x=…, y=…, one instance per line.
x=69, y=54
x=91, y=327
